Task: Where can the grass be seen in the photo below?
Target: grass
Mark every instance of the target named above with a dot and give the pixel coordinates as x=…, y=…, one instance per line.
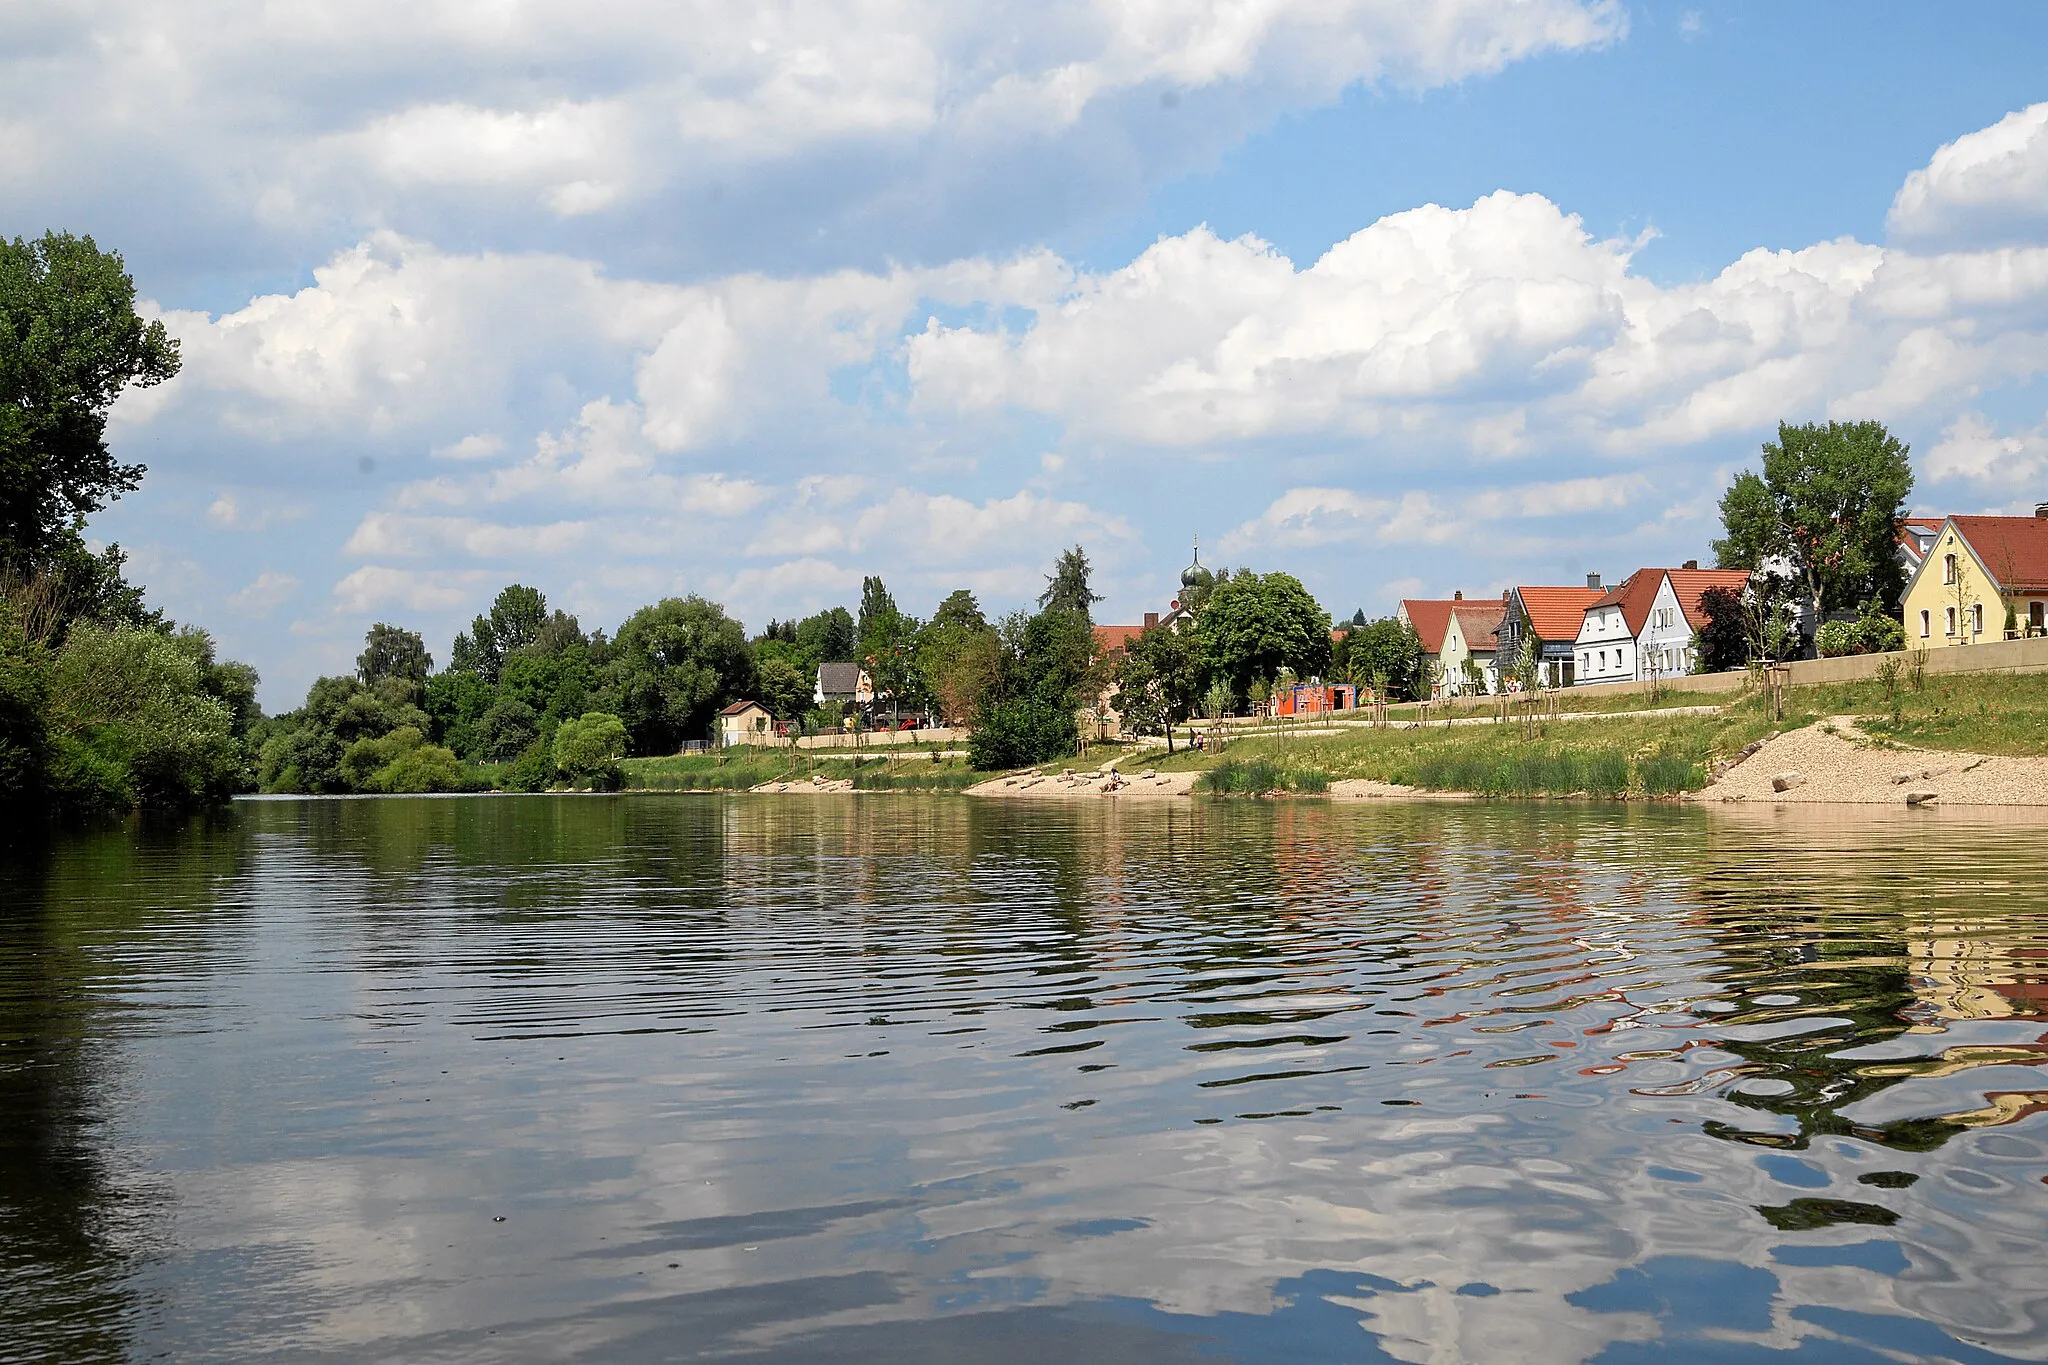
x=1641, y=750
x=740, y=769
x=1260, y=776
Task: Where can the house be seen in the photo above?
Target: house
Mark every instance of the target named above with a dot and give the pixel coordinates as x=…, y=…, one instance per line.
x=843, y=685
x=1643, y=627
x=1916, y=536
x=1549, y=619
x=1453, y=630
x=744, y=722
x=1977, y=568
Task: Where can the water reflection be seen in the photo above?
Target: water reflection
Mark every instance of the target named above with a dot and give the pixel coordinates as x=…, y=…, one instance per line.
x=648, y=1078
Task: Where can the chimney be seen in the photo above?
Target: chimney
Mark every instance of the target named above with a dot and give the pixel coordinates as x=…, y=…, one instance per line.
x=1690, y=564
x=1593, y=580
x=1458, y=596
x=1151, y=619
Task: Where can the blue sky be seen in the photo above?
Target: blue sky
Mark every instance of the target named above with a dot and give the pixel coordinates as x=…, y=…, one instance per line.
x=634, y=299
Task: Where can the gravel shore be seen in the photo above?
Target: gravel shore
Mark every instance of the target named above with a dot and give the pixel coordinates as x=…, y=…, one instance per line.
x=1834, y=762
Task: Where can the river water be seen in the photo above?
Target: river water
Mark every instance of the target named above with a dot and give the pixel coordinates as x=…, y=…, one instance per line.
x=926, y=1079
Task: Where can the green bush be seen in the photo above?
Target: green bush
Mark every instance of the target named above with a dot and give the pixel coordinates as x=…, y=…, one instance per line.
x=1016, y=734
x=1837, y=638
x=588, y=750
x=132, y=723
x=532, y=771
x=402, y=762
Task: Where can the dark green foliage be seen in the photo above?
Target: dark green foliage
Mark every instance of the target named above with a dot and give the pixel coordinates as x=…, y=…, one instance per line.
x=1015, y=734
x=306, y=749
x=673, y=665
x=389, y=652
x=402, y=761
x=456, y=701
x=1723, y=642
x=1387, y=647
x=131, y=722
x=1254, y=625
x=1159, y=682
x=829, y=637
x=783, y=685
x=70, y=342
x=504, y=731
x=1829, y=499
x=515, y=621
x=1067, y=587
x=532, y=771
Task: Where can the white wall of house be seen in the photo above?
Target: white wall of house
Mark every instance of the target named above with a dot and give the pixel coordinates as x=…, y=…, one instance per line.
x=1666, y=641
x=1606, y=647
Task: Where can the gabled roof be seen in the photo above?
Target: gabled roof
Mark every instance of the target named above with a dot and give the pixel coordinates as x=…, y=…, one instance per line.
x=740, y=708
x=1109, y=639
x=1688, y=584
x=838, y=678
x=1557, y=613
x=2013, y=550
x=1480, y=621
x=1633, y=595
x=1430, y=617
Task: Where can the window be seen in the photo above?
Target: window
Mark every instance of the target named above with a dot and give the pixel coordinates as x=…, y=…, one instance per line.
x=1923, y=624
x=2034, y=614
x=1977, y=619
x=1951, y=611
x=1948, y=568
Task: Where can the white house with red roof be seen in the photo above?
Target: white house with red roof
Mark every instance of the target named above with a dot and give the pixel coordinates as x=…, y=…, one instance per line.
x=1644, y=626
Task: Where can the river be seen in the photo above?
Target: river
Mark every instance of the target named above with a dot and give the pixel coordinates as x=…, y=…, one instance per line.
x=906, y=1079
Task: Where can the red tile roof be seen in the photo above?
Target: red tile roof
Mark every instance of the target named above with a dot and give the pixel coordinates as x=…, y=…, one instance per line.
x=1430, y=618
x=2013, y=549
x=1109, y=639
x=1690, y=583
x=1557, y=613
x=741, y=707
x=1633, y=595
x=1481, y=622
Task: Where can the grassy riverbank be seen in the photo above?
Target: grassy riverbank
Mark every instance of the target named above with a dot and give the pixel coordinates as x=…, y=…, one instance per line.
x=743, y=768
x=1639, y=747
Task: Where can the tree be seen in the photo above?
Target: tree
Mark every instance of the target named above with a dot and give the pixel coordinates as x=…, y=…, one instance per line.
x=1067, y=587
x=1254, y=625
x=516, y=620
x=877, y=610
x=389, y=652
x=672, y=666
x=1159, y=681
x=1720, y=644
x=70, y=342
x=1829, y=501
x=829, y=637
x=783, y=686
x=588, y=750
x=1387, y=648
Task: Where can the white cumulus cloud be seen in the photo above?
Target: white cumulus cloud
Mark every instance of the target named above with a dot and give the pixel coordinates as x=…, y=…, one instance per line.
x=1987, y=186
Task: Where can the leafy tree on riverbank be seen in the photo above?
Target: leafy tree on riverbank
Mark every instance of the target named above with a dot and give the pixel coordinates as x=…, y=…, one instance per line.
x=104, y=705
x=1254, y=625
x=1829, y=501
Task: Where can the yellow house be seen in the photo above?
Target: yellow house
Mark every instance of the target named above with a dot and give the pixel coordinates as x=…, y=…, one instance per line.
x=1975, y=568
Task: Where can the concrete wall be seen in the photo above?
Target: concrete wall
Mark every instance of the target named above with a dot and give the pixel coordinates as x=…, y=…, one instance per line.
x=1998, y=656
x=880, y=739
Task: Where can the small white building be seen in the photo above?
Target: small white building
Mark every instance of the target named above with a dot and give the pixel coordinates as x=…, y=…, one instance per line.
x=1644, y=626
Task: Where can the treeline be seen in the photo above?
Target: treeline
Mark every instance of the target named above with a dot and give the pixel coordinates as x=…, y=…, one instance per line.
x=104, y=704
